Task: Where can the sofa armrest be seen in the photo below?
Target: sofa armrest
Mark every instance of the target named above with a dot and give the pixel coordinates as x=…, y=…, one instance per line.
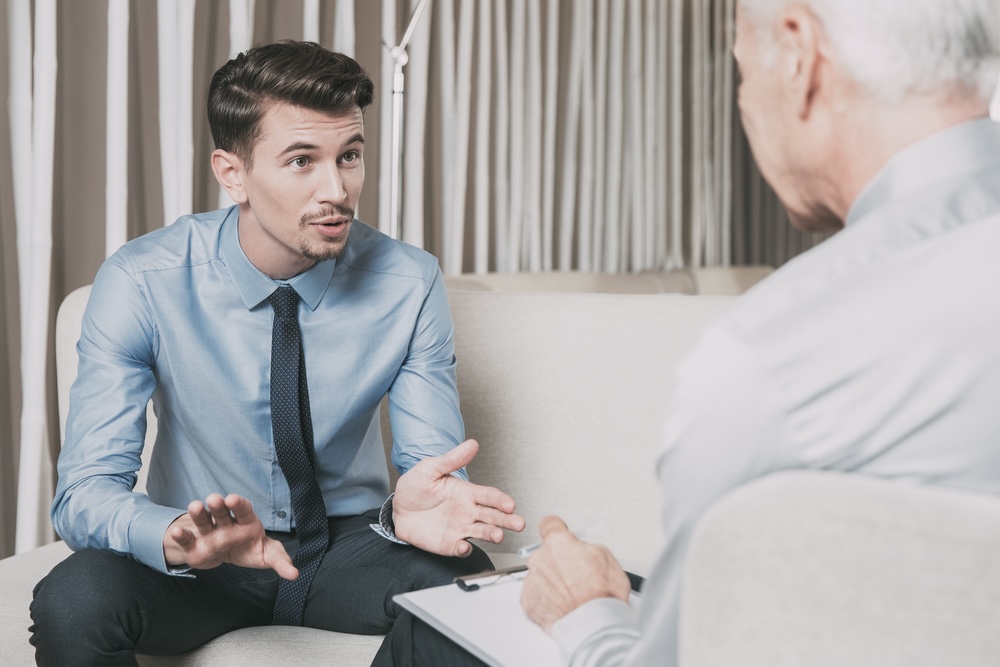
x=18, y=576
x=824, y=569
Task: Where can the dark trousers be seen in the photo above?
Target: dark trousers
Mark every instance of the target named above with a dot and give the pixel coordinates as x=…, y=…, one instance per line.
x=98, y=608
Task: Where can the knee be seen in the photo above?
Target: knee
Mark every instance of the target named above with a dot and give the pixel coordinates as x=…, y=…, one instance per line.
x=425, y=570
x=435, y=570
x=80, y=591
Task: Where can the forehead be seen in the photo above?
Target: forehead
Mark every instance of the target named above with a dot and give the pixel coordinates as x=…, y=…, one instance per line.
x=283, y=123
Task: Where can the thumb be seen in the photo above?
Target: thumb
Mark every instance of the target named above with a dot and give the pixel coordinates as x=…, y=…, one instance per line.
x=278, y=559
x=457, y=458
x=550, y=525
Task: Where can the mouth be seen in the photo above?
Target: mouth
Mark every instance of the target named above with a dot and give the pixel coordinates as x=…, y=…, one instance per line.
x=332, y=227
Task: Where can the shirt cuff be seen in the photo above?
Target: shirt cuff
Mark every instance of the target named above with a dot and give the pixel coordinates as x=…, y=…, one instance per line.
x=146, y=538
x=602, y=625
x=385, y=527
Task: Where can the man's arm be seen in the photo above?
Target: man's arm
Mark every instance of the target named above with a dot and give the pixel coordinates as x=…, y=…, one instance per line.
x=434, y=506
x=94, y=506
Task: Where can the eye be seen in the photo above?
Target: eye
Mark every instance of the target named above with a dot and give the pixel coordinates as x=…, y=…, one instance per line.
x=300, y=162
x=350, y=156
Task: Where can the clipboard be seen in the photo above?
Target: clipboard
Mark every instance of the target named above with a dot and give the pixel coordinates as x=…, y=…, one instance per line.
x=487, y=621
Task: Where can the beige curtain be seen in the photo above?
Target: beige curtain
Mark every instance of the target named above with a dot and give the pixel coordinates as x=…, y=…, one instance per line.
x=539, y=134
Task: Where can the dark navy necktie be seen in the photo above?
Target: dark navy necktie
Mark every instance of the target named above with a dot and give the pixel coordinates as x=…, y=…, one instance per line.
x=293, y=440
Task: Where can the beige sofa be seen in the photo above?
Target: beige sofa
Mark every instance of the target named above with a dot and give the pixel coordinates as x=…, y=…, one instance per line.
x=716, y=280
x=565, y=392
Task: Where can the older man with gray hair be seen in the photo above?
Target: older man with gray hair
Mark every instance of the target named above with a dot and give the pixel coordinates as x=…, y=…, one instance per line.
x=876, y=353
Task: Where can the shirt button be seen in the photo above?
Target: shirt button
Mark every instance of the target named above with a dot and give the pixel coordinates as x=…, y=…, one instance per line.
x=281, y=514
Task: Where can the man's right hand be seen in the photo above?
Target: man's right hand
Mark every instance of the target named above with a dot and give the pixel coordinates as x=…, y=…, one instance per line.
x=224, y=530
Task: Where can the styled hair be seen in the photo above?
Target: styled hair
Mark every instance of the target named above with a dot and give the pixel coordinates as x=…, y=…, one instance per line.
x=302, y=74
x=899, y=48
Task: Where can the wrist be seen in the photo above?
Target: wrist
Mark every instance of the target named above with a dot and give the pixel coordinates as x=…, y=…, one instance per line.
x=386, y=526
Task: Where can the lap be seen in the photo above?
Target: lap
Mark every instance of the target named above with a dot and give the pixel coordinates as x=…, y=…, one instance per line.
x=352, y=590
x=131, y=606
x=97, y=591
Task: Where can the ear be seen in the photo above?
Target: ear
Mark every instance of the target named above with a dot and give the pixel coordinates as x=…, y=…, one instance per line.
x=802, y=57
x=229, y=171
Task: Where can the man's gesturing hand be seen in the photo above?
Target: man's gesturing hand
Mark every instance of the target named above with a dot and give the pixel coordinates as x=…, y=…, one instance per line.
x=224, y=530
x=565, y=573
x=436, y=511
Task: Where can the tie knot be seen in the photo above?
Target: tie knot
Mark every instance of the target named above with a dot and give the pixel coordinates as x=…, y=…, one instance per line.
x=285, y=302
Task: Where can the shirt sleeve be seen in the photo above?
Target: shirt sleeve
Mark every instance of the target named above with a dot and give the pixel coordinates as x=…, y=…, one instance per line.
x=600, y=632
x=423, y=399
x=95, y=505
x=725, y=427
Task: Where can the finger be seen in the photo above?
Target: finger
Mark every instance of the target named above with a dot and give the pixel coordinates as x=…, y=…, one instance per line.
x=489, y=496
x=503, y=520
x=551, y=525
x=462, y=549
x=485, y=532
x=278, y=560
x=200, y=517
x=456, y=458
x=241, y=508
x=183, y=538
x=220, y=513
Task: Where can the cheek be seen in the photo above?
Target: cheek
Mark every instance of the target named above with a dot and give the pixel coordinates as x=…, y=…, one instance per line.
x=356, y=180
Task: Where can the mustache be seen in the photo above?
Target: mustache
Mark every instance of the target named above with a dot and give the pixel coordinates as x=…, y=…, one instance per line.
x=336, y=209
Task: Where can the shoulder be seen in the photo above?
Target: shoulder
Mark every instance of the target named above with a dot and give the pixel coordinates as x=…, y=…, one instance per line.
x=372, y=251
x=190, y=240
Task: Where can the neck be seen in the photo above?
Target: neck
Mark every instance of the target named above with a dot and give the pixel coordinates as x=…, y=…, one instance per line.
x=873, y=132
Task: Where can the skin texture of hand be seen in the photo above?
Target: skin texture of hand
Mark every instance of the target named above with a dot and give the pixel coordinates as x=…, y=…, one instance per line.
x=566, y=573
x=437, y=512
x=224, y=530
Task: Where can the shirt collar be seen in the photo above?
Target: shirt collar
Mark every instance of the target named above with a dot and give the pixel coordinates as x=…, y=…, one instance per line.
x=253, y=286
x=964, y=148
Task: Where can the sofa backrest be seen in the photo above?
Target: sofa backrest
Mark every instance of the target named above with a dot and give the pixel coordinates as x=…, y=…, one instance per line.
x=565, y=393
x=650, y=282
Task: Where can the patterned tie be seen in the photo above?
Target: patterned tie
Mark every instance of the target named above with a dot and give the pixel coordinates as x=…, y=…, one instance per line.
x=293, y=440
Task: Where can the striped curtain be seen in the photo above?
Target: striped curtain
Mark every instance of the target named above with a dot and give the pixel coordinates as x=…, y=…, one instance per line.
x=596, y=135
x=32, y=104
x=589, y=134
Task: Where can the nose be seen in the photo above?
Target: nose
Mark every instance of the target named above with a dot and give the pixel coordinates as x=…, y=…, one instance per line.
x=330, y=186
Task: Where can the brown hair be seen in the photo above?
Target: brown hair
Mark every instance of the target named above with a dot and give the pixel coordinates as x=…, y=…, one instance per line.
x=303, y=74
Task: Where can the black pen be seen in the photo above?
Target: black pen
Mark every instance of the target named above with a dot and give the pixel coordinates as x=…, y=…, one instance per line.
x=464, y=581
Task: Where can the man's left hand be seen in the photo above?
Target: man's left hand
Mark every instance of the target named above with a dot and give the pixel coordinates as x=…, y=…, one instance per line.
x=566, y=573
x=437, y=512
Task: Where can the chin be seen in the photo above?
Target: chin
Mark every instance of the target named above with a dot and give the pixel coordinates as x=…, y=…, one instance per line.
x=324, y=253
x=817, y=220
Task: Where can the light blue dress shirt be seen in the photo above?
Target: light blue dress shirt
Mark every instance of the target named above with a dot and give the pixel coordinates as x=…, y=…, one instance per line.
x=875, y=353
x=180, y=316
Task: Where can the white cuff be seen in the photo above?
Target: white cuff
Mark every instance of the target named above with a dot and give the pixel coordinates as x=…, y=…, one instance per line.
x=602, y=626
x=385, y=526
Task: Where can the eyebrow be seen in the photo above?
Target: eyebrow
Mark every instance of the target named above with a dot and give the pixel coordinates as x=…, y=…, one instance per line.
x=305, y=146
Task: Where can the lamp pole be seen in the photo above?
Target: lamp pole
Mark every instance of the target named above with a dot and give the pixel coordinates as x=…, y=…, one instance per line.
x=399, y=58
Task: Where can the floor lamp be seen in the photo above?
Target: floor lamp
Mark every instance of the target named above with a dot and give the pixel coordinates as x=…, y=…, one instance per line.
x=399, y=58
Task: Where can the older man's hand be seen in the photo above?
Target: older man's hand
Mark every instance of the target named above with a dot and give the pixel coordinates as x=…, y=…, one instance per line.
x=566, y=573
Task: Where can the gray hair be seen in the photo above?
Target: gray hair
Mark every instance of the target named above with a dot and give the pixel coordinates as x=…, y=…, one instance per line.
x=898, y=48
